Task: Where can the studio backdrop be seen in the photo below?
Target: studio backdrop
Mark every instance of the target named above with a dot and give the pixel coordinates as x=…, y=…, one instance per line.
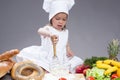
x=92, y=25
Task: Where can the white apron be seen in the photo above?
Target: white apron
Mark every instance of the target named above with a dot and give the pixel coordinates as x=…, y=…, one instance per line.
x=43, y=55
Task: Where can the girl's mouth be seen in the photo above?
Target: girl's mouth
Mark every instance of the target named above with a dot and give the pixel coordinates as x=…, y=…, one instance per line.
x=59, y=25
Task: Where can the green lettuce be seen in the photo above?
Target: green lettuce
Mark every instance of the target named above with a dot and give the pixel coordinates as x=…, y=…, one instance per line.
x=97, y=73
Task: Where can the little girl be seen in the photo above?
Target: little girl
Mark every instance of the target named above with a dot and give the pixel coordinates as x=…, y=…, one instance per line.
x=43, y=55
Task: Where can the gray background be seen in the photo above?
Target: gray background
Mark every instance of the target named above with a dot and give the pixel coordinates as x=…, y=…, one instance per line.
x=92, y=25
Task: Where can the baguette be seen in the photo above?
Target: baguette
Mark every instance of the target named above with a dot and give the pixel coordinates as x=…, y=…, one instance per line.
x=8, y=54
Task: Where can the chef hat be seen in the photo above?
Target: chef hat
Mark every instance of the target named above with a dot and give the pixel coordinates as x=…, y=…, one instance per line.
x=55, y=6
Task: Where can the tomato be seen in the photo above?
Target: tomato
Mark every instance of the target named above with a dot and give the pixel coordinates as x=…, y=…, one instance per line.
x=62, y=78
x=117, y=79
x=91, y=78
x=113, y=76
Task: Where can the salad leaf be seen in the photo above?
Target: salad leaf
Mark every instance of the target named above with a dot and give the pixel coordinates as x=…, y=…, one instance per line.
x=97, y=73
x=91, y=61
x=117, y=78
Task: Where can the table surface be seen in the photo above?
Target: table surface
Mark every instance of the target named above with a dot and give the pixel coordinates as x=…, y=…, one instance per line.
x=48, y=76
x=6, y=77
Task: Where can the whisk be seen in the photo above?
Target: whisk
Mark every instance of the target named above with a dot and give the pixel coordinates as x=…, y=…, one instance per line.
x=54, y=45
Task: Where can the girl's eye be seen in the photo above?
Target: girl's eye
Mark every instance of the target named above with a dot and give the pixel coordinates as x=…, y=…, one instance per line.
x=57, y=18
x=61, y=19
x=64, y=19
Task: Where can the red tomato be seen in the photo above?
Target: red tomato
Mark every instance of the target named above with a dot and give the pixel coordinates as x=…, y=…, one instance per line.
x=113, y=76
x=62, y=78
x=91, y=78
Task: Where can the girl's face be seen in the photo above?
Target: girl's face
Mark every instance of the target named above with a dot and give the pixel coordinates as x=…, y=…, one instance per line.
x=59, y=21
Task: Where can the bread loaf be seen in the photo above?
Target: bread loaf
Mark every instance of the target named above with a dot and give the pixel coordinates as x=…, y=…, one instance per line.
x=5, y=66
x=8, y=54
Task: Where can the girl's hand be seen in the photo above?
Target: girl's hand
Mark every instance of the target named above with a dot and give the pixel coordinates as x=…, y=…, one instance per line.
x=69, y=51
x=54, y=39
x=70, y=54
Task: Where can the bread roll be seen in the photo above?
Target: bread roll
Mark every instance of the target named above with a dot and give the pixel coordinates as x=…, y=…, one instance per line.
x=8, y=54
x=27, y=70
x=5, y=66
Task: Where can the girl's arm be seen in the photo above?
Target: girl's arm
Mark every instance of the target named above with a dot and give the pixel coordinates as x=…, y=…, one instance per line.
x=44, y=32
x=69, y=51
